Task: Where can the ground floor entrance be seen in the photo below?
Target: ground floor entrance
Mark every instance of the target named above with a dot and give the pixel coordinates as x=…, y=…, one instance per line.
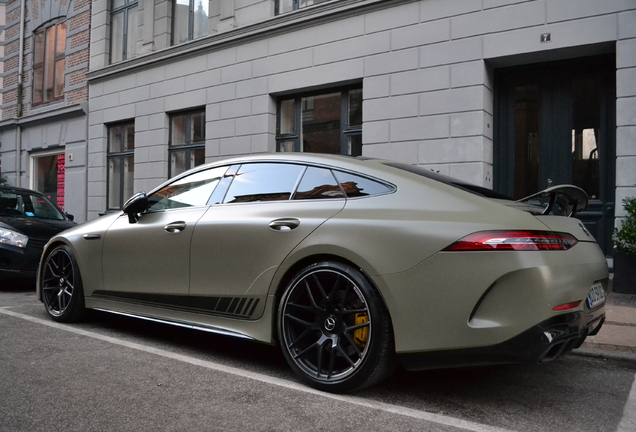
x=49, y=175
x=555, y=124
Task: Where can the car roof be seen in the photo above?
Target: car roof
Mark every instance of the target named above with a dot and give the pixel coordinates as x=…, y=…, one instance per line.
x=360, y=163
x=19, y=190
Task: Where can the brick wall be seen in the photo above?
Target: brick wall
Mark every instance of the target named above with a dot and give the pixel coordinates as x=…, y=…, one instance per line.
x=78, y=77
x=83, y=19
x=78, y=40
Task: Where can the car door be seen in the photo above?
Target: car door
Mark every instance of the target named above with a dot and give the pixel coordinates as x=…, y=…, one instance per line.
x=238, y=245
x=149, y=260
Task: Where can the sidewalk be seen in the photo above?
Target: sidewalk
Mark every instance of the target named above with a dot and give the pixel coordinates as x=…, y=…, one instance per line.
x=617, y=338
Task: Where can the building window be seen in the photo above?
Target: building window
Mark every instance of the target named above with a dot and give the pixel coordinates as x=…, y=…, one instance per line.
x=121, y=164
x=189, y=20
x=49, y=63
x=284, y=6
x=187, y=141
x=123, y=23
x=321, y=123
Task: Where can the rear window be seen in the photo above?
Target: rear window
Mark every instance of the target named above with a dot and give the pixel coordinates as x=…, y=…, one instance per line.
x=357, y=186
x=426, y=172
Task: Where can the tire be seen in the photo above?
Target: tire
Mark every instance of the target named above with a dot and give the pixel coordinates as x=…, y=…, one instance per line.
x=61, y=286
x=335, y=332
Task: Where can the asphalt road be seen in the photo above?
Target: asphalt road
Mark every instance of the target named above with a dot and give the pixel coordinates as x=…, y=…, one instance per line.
x=113, y=373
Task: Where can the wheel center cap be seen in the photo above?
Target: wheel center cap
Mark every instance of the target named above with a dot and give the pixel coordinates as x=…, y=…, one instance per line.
x=330, y=323
x=62, y=281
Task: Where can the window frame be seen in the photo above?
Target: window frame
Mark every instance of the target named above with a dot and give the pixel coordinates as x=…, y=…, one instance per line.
x=296, y=5
x=346, y=131
x=125, y=9
x=222, y=192
x=121, y=155
x=185, y=184
x=42, y=64
x=189, y=146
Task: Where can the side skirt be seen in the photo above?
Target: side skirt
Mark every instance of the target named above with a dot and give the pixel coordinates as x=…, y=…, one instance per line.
x=209, y=329
x=261, y=330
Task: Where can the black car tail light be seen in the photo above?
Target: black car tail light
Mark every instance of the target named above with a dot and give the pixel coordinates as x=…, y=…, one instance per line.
x=513, y=241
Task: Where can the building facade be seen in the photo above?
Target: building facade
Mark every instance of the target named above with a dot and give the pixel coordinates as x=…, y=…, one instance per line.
x=44, y=126
x=3, y=5
x=514, y=95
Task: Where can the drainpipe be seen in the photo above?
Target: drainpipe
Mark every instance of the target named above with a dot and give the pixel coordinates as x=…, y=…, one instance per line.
x=18, y=141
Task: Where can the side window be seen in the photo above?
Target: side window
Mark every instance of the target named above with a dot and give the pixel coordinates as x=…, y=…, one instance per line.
x=263, y=182
x=357, y=186
x=49, y=61
x=123, y=27
x=328, y=122
x=318, y=183
x=121, y=163
x=189, y=20
x=187, y=141
x=190, y=191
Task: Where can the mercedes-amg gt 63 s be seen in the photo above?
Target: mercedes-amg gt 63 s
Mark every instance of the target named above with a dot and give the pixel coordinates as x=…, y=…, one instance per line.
x=351, y=265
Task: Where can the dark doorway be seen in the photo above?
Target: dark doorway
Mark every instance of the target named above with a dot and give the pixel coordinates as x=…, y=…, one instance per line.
x=555, y=124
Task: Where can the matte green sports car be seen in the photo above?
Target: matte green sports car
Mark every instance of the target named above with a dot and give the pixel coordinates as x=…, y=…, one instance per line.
x=351, y=265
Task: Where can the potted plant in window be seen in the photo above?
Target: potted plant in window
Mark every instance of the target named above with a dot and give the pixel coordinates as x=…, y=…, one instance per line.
x=625, y=254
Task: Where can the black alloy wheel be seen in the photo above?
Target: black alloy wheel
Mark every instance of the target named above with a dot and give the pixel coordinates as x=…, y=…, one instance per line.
x=335, y=332
x=61, y=285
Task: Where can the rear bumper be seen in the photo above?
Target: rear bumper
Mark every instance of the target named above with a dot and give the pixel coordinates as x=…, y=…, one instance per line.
x=542, y=343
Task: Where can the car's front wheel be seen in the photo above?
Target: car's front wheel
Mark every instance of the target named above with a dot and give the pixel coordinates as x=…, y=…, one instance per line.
x=61, y=285
x=335, y=332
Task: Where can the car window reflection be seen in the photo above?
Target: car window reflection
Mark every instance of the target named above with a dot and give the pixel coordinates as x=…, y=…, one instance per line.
x=318, y=183
x=21, y=204
x=189, y=191
x=358, y=186
x=263, y=182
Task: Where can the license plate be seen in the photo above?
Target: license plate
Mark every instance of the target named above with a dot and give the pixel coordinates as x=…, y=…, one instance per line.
x=596, y=296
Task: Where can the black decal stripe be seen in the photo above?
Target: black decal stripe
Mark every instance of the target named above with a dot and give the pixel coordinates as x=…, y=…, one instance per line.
x=226, y=306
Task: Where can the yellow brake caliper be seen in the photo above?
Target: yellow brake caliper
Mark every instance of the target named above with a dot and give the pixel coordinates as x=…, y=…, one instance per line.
x=361, y=335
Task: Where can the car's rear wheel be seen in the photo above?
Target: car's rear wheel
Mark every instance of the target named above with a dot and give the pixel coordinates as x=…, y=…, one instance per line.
x=61, y=285
x=335, y=332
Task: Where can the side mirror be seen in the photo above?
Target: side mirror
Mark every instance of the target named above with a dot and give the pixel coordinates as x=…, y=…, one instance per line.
x=138, y=203
x=70, y=217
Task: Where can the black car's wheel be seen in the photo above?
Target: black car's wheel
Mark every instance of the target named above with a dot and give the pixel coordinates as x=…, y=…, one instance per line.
x=335, y=332
x=61, y=285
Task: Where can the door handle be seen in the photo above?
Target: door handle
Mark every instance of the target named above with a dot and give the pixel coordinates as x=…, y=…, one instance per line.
x=175, y=227
x=285, y=224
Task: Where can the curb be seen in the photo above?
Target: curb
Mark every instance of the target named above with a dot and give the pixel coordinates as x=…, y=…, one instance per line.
x=609, y=352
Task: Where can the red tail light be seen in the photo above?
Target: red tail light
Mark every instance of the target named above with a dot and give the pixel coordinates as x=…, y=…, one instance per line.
x=567, y=306
x=513, y=240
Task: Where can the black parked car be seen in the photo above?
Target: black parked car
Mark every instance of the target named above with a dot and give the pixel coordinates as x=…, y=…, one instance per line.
x=27, y=221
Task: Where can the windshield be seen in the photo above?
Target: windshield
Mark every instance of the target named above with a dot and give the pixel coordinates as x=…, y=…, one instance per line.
x=24, y=204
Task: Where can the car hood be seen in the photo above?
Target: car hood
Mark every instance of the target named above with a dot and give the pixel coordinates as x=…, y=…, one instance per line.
x=35, y=227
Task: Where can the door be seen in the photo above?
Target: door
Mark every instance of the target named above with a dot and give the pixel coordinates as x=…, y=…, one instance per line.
x=238, y=245
x=555, y=124
x=149, y=260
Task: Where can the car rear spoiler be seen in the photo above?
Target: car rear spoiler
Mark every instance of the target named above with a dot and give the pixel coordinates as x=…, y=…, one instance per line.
x=566, y=200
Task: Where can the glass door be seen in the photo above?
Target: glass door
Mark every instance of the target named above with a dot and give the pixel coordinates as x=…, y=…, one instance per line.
x=555, y=124
x=48, y=178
